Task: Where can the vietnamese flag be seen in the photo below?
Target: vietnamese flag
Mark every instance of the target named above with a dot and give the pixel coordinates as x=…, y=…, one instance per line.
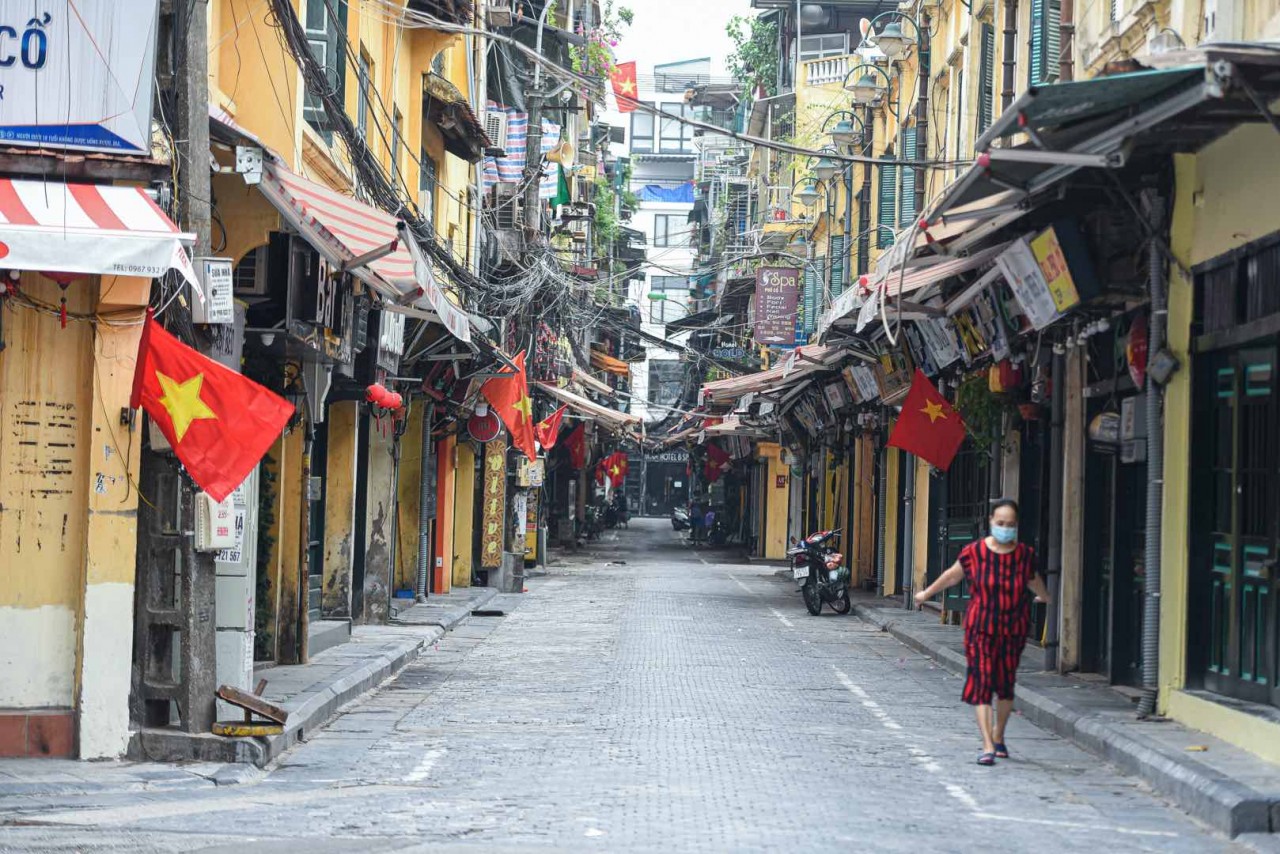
x=617, y=468
x=548, y=429
x=508, y=394
x=625, y=88
x=219, y=423
x=718, y=462
x=928, y=426
x=576, y=442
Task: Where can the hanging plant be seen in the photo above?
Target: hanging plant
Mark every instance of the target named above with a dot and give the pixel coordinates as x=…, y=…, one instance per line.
x=981, y=409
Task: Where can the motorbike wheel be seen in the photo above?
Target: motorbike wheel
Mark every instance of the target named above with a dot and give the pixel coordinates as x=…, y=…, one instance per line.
x=812, y=598
x=842, y=605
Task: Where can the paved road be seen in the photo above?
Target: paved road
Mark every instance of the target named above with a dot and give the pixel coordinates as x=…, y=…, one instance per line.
x=646, y=697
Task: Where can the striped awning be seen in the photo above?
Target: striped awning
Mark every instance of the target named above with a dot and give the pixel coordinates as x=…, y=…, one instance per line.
x=94, y=229
x=343, y=230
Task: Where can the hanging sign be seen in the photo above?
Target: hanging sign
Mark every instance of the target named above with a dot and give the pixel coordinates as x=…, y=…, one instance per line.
x=495, y=504
x=1026, y=279
x=870, y=309
x=777, y=292
x=1053, y=265
x=78, y=75
x=936, y=332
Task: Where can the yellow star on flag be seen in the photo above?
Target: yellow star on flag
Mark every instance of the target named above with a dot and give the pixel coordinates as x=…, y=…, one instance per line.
x=183, y=403
x=524, y=406
x=934, y=410
x=627, y=87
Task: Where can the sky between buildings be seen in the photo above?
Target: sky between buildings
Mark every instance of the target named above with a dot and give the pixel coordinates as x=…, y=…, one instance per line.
x=675, y=30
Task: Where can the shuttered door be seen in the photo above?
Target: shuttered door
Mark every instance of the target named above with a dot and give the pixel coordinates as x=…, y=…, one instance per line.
x=907, y=195
x=885, y=216
x=809, y=300
x=987, y=79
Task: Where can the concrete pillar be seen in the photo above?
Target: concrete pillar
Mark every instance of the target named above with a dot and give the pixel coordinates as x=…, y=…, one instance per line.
x=891, y=527
x=106, y=638
x=291, y=586
x=340, y=509
x=464, y=501
x=1073, y=448
x=379, y=509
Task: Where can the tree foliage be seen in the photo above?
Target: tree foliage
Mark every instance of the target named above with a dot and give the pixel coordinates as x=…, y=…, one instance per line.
x=755, y=52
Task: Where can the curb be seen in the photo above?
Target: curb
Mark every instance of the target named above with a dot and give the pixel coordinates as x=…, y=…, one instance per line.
x=1221, y=802
x=320, y=708
x=454, y=616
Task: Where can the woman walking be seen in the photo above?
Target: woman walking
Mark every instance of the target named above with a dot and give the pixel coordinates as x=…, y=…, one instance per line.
x=999, y=570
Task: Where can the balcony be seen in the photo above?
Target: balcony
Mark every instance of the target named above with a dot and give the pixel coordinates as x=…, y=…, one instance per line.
x=821, y=72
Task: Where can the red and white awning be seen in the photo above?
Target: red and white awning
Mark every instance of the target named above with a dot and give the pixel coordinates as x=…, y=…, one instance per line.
x=94, y=229
x=343, y=230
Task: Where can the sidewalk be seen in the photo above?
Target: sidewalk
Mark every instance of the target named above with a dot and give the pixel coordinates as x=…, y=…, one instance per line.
x=1227, y=788
x=314, y=692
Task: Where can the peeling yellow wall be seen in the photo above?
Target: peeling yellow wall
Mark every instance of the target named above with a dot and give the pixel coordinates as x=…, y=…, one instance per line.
x=464, y=514
x=339, y=507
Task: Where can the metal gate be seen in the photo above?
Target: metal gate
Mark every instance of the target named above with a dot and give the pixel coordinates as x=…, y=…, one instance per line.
x=957, y=514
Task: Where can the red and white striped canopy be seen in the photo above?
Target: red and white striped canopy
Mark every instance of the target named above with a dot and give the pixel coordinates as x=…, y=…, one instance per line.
x=344, y=229
x=95, y=229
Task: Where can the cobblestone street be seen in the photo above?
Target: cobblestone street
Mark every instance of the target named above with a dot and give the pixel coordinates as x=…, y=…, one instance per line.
x=640, y=697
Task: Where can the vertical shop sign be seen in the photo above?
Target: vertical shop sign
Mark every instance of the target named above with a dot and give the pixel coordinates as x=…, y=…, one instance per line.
x=777, y=291
x=495, y=503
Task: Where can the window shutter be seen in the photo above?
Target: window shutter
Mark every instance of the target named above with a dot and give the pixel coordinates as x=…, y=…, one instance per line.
x=1035, y=61
x=987, y=83
x=810, y=300
x=328, y=47
x=1046, y=43
x=836, y=253
x=887, y=211
x=907, y=196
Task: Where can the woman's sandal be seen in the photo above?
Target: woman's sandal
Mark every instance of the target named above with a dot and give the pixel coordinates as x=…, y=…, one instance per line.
x=1002, y=752
x=987, y=759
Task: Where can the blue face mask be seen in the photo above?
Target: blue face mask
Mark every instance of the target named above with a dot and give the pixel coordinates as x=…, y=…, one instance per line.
x=1003, y=535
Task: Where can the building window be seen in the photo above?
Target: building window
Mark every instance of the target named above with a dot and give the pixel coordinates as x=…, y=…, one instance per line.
x=668, y=298
x=886, y=214
x=987, y=81
x=365, y=84
x=822, y=45
x=427, y=179
x=959, y=113
x=671, y=230
x=642, y=130
x=666, y=382
x=326, y=22
x=1046, y=42
x=675, y=137
x=907, y=195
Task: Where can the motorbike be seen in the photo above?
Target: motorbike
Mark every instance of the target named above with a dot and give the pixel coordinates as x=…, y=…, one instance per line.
x=820, y=572
x=680, y=519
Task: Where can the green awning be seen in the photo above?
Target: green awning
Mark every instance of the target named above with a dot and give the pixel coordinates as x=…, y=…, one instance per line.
x=1055, y=107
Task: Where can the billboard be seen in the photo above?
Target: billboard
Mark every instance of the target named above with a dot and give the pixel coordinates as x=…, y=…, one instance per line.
x=777, y=292
x=78, y=74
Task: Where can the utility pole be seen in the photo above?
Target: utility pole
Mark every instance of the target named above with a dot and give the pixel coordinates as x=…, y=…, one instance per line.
x=175, y=612
x=922, y=113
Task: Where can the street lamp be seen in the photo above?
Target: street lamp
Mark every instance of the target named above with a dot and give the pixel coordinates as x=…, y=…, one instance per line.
x=890, y=39
x=867, y=90
x=847, y=132
x=825, y=169
x=808, y=195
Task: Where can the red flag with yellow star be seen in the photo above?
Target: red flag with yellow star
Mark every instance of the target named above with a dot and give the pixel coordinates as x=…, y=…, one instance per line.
x=547, y=431
x=625, y=90
x=928, y=426
x=219, y=423
x=508, y=394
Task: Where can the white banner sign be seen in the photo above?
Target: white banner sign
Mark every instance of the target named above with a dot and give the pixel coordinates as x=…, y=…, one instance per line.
x=1026, y=280
x=78, y=74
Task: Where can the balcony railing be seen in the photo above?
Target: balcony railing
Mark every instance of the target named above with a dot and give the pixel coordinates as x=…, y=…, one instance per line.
x=818, y=72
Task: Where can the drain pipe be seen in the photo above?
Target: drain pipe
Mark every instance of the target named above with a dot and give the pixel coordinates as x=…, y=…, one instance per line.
x=424, y=497
x=1053, y=573
x=1155, y=473
x=1010, y=54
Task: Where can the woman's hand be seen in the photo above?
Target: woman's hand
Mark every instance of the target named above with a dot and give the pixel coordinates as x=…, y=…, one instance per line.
x=922, y=597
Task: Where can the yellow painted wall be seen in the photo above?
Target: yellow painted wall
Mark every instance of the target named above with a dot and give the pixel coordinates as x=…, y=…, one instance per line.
x=891, y=539
x=464, y=514
x=405, y=572
x=773, y=536
x=1225, y=198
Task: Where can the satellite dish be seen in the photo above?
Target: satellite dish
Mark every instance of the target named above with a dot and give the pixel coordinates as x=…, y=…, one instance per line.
x=814, y=15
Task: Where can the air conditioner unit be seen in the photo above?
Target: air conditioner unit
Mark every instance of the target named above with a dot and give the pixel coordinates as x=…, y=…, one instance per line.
x=508, y=207
x=495, y=127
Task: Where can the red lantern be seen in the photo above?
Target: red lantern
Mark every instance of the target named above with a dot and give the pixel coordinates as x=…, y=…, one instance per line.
x=393, y=400
x=375, y=394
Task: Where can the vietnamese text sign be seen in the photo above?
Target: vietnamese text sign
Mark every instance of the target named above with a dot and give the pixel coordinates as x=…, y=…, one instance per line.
x=1027, y=281
x=78, y=75
x=1053, y=264
x=777, y=291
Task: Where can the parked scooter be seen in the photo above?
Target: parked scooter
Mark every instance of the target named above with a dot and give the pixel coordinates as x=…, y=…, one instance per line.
x=820, y=572
x=680, y=519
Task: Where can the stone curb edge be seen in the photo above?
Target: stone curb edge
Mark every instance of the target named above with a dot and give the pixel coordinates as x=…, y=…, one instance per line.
x=1220, y=802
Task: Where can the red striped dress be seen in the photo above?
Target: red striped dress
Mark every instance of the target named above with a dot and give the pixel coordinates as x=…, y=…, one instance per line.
x=997, y=620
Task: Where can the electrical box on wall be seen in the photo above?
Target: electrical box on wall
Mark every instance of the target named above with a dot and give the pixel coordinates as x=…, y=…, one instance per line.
x=215, y=524
x=218, y=304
